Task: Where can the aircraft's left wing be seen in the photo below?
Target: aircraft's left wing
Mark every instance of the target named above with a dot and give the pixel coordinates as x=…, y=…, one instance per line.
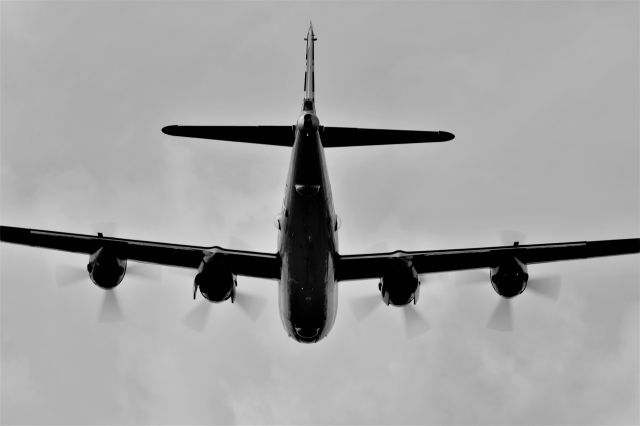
x=362, y=266
x=252, y=264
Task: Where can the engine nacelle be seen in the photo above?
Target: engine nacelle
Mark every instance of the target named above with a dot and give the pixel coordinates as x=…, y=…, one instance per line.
x=509, y=278
x=216, y=281
x=106, y=270
x=399, y=284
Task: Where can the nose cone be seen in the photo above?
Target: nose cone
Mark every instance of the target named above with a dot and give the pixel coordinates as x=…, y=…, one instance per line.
x=307, y=334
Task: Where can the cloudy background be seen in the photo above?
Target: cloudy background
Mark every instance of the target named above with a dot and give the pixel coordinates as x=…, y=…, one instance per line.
x=543, y=98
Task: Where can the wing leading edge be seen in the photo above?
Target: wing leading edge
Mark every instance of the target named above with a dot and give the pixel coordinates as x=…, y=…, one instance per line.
x=252, y=264
x=363, y=266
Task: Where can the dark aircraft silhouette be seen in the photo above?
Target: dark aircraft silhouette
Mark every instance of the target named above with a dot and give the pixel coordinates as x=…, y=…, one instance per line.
x=308, y=265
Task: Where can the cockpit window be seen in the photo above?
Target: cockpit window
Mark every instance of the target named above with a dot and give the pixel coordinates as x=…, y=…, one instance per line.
x=307, y=190
x=308, y=104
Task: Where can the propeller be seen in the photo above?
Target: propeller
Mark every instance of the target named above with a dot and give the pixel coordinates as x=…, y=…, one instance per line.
x=501, y=319
x=250, y=304
x=67, y=275
x=415, y=324
x=546, y=286
x=197, y=318
x=363, y=306
x=480, y=276
x=138, y=270
x=110, y=310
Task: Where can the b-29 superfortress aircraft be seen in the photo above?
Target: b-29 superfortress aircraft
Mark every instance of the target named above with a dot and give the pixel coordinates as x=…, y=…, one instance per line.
x=308, y=265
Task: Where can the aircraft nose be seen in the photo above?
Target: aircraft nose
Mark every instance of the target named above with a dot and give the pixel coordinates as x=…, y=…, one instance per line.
x=306, y=334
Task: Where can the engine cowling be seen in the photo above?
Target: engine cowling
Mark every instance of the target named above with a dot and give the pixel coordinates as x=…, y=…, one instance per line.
x=510, y=278
x=214, y=278
x=106, y=270
x=399, y=284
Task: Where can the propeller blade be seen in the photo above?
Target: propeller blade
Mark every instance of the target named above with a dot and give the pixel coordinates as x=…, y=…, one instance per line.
x=250, y=304
x=363, y=306
x=197, y=318
x=68, y=275
x=415, y=323
x=110, y=310
x=547, y=287
x=501, y=319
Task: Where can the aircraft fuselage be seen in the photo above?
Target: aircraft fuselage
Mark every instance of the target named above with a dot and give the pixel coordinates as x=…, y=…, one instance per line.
x=308, y=243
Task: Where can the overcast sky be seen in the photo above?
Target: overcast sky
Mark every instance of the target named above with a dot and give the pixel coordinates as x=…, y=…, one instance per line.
x=543, y=98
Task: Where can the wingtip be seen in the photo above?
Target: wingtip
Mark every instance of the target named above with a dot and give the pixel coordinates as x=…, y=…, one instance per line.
x=447, y=136
x=169, y=130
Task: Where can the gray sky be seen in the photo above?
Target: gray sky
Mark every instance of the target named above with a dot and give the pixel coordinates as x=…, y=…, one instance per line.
x=543, y=98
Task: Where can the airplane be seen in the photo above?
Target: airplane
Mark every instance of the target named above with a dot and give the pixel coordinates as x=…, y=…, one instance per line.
x=308, y=265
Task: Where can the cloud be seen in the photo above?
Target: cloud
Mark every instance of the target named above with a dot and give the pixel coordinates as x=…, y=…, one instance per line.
x=539, y=97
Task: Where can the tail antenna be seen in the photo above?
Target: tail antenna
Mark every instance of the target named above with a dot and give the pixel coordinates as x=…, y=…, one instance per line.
x=309, y=79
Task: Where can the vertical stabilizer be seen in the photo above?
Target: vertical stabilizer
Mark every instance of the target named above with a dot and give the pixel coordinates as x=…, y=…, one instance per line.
x=309, y=81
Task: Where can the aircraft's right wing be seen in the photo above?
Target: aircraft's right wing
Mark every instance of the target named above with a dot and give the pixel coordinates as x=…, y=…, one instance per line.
x=362, y=266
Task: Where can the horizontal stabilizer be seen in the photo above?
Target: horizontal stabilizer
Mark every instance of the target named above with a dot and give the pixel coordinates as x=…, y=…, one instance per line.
x=353, y=136
x=331, y=136
x=267, y=135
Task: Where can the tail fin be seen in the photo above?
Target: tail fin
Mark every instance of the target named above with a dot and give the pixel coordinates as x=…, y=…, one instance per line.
x=309, y=80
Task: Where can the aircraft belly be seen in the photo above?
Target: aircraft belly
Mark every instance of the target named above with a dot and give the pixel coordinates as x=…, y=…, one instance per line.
x=309, y=300
x=308, y=294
